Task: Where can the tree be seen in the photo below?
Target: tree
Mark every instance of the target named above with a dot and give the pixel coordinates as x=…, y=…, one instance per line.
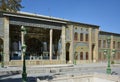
x=3, y=5
x=10, y=5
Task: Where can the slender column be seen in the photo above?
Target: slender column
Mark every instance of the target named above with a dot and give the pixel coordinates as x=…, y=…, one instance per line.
x=22, y=42
x=108, y=71
x=96, y=46
x=63, y=55
x=90, y=46
x=72, y=52
x=51, y=34
x=6, y=40
x=95, y=51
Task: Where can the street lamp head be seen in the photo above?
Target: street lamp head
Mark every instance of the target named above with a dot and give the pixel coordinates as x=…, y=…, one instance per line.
x=24, y=48
x=23, y=29
x=108, y=39
x=113, y=52
x=105, y=52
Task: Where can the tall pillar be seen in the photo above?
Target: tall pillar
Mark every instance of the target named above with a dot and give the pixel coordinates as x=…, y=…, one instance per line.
x=63, y=55
x=71, y=44
x=90, y=46
x=51, y=34
x=6, y=40
x=95, y=57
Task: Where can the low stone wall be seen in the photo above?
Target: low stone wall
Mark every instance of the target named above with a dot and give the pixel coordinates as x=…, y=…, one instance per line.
x=82, y=61
x=34, y=62
x=83, y=78
x=117, y=61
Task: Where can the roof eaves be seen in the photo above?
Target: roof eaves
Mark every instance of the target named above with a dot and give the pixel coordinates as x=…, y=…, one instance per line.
x=111, y=33
x=43, y=18
x=84, y=24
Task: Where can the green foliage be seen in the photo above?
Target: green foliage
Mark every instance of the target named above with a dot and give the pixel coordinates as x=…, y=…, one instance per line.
x=112, y=62
x=10, y=5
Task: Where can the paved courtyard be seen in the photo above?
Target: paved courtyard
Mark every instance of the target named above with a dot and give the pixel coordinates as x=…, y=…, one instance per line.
x=13, y=74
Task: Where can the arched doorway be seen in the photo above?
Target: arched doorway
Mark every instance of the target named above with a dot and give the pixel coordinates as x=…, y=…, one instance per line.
x=93, y=48
x=1, y=49
x=67, y=52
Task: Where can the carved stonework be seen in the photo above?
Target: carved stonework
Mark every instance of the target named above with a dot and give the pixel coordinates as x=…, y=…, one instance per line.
x=68, y=37
x=34, y=23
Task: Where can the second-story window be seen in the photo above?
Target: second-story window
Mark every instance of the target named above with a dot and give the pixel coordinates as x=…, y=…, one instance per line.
x=76, y=36
x=118, y=45
x=104, y=43
x=113, y=44
x=86, y=37
x=81, y=36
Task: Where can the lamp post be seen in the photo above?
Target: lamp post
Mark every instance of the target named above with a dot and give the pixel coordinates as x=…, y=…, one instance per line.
x=24, y=74
x=107, y=52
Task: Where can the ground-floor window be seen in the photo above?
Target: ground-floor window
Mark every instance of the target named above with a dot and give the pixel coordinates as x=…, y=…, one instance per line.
x=86, y=55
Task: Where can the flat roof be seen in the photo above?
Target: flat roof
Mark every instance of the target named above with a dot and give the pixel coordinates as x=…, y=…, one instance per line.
x=110, y=33
x=42, y=17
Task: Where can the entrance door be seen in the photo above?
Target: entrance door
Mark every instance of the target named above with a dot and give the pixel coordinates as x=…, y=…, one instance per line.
x=1, y=49
x=67, y=51
x=93, y=46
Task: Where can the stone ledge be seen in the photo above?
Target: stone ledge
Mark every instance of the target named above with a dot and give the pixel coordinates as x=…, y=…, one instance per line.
x=33, y=62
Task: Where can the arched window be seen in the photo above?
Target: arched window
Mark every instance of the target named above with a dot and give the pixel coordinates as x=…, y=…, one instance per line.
x=81, y=36
x=76, y=36
x=114, y=44
x=118, y=45
x=86, y=55
x=104, y=43
x=81, y=55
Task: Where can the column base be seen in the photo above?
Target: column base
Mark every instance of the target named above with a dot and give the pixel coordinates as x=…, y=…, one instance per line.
x=24, y=77
x=108, y=71
x=94, y=61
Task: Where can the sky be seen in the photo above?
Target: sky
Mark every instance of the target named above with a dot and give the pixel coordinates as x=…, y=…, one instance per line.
x=104, y=13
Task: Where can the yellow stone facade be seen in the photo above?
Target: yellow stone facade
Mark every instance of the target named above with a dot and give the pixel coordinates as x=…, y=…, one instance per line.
x=58, y=41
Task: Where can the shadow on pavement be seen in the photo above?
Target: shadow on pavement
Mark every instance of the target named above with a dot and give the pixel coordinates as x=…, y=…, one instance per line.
x=29, y=79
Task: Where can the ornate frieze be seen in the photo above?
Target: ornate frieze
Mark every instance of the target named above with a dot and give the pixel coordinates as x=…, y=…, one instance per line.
x=34, y=23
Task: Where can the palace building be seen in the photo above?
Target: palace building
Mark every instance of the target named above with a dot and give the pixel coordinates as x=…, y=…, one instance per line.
x=51, y=40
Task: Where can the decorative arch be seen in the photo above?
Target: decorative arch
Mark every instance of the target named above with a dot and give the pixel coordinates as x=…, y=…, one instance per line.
x=67, y=51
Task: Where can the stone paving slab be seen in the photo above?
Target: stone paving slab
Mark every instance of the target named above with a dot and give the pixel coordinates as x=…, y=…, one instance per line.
x=45, y=70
